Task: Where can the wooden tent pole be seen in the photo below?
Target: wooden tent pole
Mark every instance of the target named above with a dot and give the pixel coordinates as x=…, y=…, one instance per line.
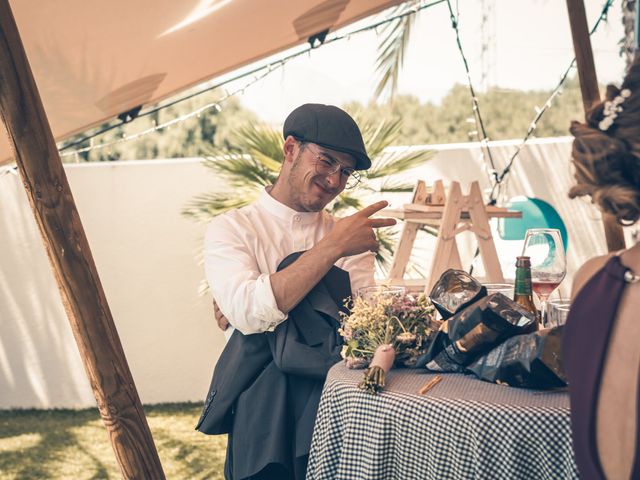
x=590, y=96
x=55, y=211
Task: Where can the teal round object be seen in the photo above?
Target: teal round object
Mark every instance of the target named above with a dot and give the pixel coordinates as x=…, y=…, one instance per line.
x=536, y=213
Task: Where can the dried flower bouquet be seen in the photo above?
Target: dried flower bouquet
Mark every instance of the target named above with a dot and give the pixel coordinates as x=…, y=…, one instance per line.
x=382, y=330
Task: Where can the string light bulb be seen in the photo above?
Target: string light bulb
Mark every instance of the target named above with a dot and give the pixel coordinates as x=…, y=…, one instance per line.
x=281, y=63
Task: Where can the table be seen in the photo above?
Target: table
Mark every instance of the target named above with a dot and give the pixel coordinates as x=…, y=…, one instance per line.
x=462, y=428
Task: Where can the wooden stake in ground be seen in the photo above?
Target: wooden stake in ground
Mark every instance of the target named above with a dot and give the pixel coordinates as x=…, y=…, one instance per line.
x=68, y=249
x=590, y=96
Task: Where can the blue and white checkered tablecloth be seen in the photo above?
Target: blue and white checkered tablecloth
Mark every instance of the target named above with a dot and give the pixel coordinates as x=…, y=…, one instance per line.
x=461, y=429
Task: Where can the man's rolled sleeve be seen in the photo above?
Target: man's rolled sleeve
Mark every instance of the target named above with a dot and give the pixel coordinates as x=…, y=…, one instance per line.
x=243, y=293
x=270, y=315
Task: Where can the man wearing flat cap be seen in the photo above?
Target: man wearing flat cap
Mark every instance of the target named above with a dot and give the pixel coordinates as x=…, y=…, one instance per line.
x=279, y=271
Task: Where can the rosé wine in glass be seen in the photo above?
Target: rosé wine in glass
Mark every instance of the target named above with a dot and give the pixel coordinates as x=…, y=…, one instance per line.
x=544, y=288
x=548, y=263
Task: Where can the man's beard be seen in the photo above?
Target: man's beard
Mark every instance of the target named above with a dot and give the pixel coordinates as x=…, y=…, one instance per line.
x=303, y=196
x=300, y=191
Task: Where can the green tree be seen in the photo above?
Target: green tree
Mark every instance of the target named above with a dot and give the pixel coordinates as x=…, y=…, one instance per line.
x=507, y=114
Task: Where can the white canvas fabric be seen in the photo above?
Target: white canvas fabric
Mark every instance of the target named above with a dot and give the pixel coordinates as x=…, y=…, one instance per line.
x=94, y=60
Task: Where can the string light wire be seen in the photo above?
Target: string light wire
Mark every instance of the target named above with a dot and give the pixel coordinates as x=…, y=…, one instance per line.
x=480, y=129
x=541, y=111
x=495, y=177
x=258, y=74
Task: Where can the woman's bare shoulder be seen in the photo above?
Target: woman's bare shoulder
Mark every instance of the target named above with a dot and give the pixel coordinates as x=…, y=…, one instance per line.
x=587, y=270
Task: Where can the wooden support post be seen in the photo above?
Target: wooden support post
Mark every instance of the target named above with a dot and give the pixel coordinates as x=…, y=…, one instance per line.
x=404, y=247
x=464, y=213
x=482, y=230
x=55, y=211
x=452, y=213
x=407, y=237
x=590, y=96
x=445, y=254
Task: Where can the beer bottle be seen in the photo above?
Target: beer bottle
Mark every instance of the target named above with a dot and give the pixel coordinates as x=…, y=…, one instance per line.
x=522, y=293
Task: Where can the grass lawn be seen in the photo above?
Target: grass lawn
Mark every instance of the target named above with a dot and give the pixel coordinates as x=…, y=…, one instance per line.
x=73, y=444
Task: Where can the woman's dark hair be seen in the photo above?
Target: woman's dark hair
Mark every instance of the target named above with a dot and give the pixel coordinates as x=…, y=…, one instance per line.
x=607, y=162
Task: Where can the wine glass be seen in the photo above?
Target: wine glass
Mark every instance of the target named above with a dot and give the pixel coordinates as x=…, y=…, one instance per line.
x=557, y=312
x=548, y=263
x=503, y=288
x=374, y=292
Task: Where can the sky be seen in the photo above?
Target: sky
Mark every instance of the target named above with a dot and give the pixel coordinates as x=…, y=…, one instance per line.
x=529, y=47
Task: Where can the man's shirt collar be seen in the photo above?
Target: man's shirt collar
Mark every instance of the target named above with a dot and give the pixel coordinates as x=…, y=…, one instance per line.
x=284, y=212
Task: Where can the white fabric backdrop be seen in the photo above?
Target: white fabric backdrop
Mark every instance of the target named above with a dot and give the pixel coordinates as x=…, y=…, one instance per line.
x=147, y=257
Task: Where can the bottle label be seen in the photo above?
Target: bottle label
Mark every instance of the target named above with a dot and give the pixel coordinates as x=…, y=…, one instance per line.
x=523, y=281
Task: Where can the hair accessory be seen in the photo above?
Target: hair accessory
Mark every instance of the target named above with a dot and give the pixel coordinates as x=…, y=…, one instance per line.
x=612, y=108
x=631, y=277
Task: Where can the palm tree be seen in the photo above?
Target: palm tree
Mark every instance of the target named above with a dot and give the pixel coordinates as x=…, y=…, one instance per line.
x=392, y=47
x=254, y=161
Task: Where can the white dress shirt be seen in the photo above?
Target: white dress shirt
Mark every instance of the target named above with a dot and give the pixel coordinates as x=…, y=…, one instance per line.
x=243, y=247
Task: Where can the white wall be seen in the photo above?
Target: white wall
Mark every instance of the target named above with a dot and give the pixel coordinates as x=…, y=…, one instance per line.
x=146, y=255
x=542, y=170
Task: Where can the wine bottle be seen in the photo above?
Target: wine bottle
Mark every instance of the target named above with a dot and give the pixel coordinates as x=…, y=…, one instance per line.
x=522, y=293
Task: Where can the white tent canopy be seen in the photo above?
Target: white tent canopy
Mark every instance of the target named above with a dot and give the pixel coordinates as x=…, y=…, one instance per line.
x=92, y=62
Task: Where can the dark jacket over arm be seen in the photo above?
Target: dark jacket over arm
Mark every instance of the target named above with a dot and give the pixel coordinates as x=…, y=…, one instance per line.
x=266, y=387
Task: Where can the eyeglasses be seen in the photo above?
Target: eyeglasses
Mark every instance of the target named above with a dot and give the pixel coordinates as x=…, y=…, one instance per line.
x=327, y=166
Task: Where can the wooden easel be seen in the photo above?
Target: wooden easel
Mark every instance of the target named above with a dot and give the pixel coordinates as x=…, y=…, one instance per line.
x=452, y=213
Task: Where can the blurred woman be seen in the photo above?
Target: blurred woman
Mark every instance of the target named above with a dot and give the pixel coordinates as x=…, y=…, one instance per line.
x=602, y=336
